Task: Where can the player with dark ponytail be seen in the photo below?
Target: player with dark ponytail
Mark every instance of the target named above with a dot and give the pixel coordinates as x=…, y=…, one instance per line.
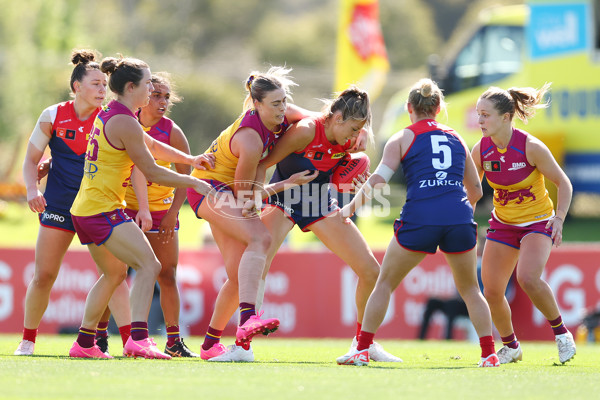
x=64, y=128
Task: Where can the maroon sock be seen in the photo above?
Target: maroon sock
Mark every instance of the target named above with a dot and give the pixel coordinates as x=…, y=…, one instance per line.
x=487, y=345
x=510, y=341
x=365, y=340
x=139, y=330
x=358, y=328
x=125, y=332
x=172, y=335
x=29, y=334
x=86, y=337
x=246, y=311
x=213, y=336
x=102, y=329
x=558, y=326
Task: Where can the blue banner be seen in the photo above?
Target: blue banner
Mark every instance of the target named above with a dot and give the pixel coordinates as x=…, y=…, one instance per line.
x=584, y=171
x=556, y=29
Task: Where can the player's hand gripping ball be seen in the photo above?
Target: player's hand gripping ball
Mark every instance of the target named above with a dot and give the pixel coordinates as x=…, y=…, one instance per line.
x=353, y=166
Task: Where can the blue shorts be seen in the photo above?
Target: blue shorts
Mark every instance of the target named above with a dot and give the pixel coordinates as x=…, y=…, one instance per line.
x=304, y=209
x=57, y=219
x=427, y=238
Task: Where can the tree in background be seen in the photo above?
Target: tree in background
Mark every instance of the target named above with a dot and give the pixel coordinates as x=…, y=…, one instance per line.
x=209, y=45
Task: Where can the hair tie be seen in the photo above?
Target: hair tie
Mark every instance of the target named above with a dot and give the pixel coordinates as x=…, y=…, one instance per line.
x=250, y=80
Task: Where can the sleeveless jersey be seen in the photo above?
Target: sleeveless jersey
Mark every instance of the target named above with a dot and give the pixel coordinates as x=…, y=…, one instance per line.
x=107, y=169
x=520, y=195
x=320, y=155
x=67, y=149
x=434, y=167
x=225, y=161
x=159, y=197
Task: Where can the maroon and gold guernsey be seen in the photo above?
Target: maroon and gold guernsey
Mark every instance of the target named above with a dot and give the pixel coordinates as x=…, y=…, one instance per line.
x=225, y=161
x=159, y=197
x=520, y=195
x=107, y=169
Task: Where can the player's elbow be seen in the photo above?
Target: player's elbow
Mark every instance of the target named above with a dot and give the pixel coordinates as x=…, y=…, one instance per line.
x=152, y=172
x=474, y=194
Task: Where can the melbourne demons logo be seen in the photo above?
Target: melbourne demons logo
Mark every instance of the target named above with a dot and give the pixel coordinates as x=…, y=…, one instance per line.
x=64, y=133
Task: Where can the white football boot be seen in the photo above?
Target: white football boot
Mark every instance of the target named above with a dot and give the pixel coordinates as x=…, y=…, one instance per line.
x=235, y=353
x=508, y=355
x=25, y=348
x=376, y=352
x=566, y=346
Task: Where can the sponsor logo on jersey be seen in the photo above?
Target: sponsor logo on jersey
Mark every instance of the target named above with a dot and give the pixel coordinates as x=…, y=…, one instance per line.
x=65, y=133
x=338, y=155
x=316, y=146
x=491, y=166
x=64, y=120
x=502, y=159
x=489, y=154
x=314, y=155
x=441, y=175
x=90, y=169
x=517, y=165
x=429, y=183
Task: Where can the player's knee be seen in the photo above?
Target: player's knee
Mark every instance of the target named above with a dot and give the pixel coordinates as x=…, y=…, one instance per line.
x=167, y=277
x=45, y=278
x=369, y=276
x=116, y=277
x=528, y=282
x=493, y=295
x=261, y=241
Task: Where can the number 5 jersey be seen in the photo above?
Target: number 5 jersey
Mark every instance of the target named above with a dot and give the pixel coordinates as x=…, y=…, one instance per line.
x=434, y=167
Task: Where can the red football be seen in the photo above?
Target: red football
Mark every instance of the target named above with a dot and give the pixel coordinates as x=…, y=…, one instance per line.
x=351, y=167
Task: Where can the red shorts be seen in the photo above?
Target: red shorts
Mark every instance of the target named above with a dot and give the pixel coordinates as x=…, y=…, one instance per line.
x=511, y=235
x=195, y=199
x=98, y=228
x=157, y=217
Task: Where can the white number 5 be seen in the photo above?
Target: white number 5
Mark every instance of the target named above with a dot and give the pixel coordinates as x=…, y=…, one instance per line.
x=444, y=158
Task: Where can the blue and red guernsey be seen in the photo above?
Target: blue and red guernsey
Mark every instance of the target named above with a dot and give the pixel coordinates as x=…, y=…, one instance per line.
x=434, y=166
x=67, y=148
x=320, y=155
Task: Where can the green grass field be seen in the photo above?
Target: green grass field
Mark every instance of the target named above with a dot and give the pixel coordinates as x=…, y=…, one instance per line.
x=298, y=369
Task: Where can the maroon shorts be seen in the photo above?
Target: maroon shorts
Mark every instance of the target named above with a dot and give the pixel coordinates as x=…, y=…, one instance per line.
x=511, y=235
x=195, y=199
x=157, y=217
x=98, y=228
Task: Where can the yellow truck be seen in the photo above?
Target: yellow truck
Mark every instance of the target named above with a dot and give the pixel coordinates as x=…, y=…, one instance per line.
x=528, y=45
